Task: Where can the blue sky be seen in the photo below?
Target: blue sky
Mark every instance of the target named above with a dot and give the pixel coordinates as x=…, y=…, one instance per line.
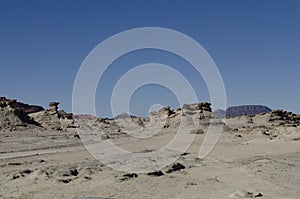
x=255, y=44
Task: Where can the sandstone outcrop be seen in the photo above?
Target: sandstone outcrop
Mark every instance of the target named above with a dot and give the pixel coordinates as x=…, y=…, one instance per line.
x=54, y=119
x=204, y=106
x=22, y=106
x=11, y=118
x=198, y=115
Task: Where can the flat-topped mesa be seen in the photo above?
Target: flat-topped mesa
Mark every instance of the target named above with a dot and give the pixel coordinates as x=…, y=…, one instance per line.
x=236, y=111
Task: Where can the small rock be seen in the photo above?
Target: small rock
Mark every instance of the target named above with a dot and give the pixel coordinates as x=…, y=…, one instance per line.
x=184, y=154
x=129, y=176
x=176, y=167
x=191, y=183
x=258, y=195
x=74, y=172
x=66, y=181
x=14, y=163
x=155, y=173
x=27, y=171
x=15, y=177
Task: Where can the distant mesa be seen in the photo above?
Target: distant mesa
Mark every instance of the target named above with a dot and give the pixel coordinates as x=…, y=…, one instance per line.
x=247, y=110
x=236, y=111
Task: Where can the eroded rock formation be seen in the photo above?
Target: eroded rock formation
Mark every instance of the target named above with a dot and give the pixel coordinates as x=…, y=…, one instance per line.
x=11, y=118
x=54, y=119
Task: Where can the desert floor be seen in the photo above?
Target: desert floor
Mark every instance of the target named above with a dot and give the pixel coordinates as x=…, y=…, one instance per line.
x=55, y=164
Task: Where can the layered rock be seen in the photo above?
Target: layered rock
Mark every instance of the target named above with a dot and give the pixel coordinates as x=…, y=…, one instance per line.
x=22, y=106
x=196, y=115
x=204, y=106
x=12, y=118
x=54, y=119
x=284, y=116
x=275, y=118
x=296, y=117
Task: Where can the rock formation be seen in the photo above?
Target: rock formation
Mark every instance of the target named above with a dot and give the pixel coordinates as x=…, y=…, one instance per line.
x=246, y=110
x=198, y=115
x=12, y=118
x=23, y=107
x=54, y=119
x=53, y=106
x=284, y=117
x=204, y=106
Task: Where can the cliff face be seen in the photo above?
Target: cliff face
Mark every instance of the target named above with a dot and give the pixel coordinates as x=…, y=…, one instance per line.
x=246, y=110
x=12, y=119
x=23, y=107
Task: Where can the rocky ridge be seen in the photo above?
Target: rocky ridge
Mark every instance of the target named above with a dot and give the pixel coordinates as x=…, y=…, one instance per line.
x=23, y=107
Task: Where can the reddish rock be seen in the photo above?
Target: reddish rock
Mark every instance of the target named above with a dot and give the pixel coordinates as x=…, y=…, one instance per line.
x=22, y=106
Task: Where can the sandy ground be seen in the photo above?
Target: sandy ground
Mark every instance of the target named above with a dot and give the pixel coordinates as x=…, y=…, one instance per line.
x=243, y=164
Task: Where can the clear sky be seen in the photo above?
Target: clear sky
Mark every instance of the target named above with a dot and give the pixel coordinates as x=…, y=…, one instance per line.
x=255, y=44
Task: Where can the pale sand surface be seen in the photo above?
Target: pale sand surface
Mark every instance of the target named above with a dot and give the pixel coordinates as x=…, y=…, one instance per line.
x=251, y=163
x=255, y=157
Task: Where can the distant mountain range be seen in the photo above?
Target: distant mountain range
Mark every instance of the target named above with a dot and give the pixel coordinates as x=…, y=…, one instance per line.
x=236, y=111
